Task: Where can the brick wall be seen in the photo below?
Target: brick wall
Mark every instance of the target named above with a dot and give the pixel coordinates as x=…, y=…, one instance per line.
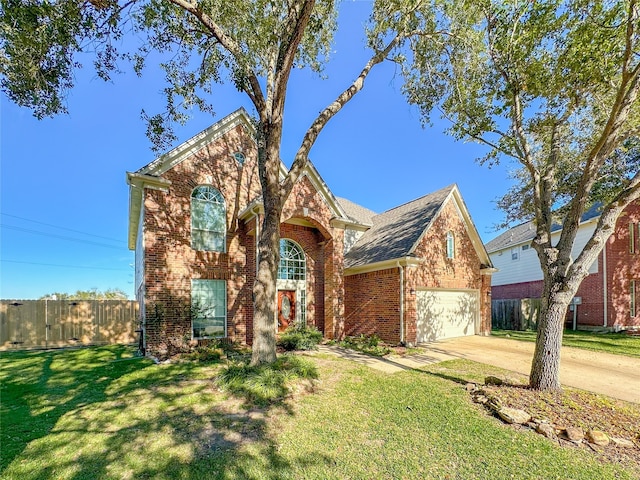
x=623, y=266
x=171, y=263
x=438, y=271
x=372, y=304
x=373, y=299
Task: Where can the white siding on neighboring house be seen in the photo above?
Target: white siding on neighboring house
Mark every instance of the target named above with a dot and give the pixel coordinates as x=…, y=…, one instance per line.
x=516, y=265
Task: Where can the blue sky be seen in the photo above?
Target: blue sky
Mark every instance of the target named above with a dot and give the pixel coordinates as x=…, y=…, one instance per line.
x=64, y=199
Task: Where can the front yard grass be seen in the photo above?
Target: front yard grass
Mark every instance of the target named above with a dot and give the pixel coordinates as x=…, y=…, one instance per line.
x=102, y=413
x=616, y=343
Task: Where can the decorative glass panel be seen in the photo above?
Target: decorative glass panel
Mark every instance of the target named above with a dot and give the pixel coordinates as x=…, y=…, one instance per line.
x=450, y=245
x=239, y=156
x=208, y=219
x=292, y=261
x=209, y=308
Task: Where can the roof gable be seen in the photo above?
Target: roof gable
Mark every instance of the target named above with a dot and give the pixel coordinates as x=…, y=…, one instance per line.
x=199, y=141
x=396, y=233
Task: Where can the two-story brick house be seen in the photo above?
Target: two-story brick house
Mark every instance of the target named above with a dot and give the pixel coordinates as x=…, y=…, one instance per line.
x=415, y=273
x=607, y=296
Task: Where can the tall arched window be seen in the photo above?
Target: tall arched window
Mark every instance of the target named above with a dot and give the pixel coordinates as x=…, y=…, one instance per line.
x=208, y=219
x=451, y=245
x=292, y=262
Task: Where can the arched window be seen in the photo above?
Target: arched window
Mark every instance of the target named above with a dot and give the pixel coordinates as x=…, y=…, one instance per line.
x=208, y=219
x=292, y=262
x=451, y=245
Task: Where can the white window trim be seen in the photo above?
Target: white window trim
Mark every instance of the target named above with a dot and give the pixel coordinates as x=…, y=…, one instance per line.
x=451, y=245
x=193, y=337
x=193, y=229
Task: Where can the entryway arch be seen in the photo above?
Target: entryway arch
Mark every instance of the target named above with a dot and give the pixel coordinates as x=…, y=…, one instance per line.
x=291, y=284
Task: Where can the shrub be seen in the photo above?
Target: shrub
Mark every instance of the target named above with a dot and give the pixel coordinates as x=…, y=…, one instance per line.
x=266, y=384
x=369, y=344
x=300, y=337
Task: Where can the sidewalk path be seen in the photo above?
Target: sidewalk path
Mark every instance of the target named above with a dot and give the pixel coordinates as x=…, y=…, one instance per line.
x=617, y=376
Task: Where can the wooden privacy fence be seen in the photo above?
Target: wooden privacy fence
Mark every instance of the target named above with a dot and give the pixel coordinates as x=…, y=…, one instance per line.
x=515, y=314
x=63, y=323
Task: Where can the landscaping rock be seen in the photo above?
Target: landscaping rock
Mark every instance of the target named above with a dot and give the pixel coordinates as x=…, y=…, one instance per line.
x=622, y=442
x=598, y=438
x=574, y=434
x=480, y=399
x=491, y=380
x=547, y=430
x=514, y=415
x=471, y=387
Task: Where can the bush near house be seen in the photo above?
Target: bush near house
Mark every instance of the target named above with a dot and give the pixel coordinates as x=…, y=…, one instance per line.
x=300, y=337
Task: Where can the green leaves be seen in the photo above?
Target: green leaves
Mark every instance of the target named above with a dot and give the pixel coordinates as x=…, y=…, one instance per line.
x=39, y=41
x=547, y=84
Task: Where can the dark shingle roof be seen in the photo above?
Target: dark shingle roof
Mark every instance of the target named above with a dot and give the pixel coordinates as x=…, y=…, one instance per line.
x=395, y=232
x=356, y=212
x=527, y=231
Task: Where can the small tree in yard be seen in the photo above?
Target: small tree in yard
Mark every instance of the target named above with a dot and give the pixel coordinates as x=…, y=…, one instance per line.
x=552, y=85
x=254, y=44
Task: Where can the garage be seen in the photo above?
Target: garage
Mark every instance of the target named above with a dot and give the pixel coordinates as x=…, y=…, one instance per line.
x=446, y=314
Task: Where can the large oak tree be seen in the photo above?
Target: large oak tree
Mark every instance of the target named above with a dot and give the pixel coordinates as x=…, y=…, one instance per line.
x=551, y=86
x=253, y=44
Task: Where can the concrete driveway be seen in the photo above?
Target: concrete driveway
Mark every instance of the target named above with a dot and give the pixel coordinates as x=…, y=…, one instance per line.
x=613, y=375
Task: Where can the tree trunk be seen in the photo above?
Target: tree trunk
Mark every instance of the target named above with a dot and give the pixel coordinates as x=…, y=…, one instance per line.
x=545, y=369
x=264, y=291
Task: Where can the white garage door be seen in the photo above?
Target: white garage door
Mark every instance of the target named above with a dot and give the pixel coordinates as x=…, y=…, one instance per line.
x=446, y=314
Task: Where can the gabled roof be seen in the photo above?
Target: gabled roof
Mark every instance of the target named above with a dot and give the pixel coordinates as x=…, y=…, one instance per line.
x=526, y=232
x=183, y=151
x=310, y=172
x=395, y=234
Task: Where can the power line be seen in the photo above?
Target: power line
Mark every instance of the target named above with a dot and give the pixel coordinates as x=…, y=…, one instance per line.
x=64, y=266
x=62, y=237
x=119, y=240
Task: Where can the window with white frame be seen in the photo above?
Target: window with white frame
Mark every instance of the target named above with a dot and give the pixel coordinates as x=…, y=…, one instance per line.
x=208, y=219
x=515, y=253
x=209, y=308
x=451, y=245
x=293, y=265
x=632, y=238
x=632, y=295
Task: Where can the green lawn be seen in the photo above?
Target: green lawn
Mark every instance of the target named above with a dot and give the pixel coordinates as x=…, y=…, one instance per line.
x=102, y=413
x=616, y=343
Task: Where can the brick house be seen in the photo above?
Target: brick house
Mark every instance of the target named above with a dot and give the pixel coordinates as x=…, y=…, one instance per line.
x=606, y=297
x=416, y=273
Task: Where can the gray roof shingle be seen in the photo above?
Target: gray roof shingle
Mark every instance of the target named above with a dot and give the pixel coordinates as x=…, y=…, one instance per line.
x=395, y=232
x=356, y=212
x=527, y=231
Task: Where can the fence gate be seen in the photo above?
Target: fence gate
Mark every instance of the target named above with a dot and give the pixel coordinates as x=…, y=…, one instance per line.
x=60, y=323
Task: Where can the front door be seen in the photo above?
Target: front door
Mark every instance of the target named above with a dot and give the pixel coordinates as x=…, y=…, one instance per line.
x=286, y=309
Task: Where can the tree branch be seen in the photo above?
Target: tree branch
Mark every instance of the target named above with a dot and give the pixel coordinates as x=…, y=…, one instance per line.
x=230, y=45
x=328, y=113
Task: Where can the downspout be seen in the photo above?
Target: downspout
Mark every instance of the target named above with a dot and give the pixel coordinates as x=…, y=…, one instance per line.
x=401, y=303
x=605, y=283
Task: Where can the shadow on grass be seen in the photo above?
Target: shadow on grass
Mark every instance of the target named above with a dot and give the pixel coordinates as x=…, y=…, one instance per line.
x=101, y=413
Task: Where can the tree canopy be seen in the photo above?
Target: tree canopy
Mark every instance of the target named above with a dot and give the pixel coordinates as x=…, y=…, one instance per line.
x=552, y=87
x=93, y=294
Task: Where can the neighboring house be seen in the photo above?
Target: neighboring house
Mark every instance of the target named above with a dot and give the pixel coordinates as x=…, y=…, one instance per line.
x=607, y=296
x=415, y=273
